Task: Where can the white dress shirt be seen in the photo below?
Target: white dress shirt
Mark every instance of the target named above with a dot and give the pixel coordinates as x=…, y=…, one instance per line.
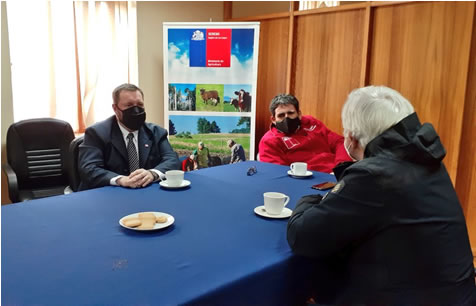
x=125, y=133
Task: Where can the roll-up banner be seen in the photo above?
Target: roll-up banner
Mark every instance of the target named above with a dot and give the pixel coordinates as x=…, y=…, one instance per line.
x=210, y=75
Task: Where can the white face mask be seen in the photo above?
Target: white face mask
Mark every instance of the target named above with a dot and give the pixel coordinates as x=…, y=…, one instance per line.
x=347, y=149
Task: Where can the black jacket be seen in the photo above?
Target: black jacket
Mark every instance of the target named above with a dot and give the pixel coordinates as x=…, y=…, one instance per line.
x=103, y=154
x=393, y=224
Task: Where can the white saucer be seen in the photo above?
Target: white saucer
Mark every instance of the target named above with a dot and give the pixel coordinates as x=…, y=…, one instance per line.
x=286, y=213
x=164, y=184
x=308, y=174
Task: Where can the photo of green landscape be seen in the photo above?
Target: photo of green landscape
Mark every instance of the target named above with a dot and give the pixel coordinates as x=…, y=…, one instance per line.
x=185, y=132
x=216, y=143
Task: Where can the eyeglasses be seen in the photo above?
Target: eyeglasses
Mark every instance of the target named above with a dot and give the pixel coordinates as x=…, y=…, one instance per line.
x=251, y=171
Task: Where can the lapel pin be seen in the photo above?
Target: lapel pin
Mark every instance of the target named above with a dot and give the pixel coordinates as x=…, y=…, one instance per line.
x=146, y=145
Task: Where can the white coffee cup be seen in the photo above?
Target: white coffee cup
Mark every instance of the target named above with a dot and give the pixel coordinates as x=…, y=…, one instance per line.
x=299, y=168
x=274, y=202
x=174, y=178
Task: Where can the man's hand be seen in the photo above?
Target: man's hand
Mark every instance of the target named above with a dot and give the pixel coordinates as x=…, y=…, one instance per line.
x=125, y=181
x=141, y=177
x=137, y=179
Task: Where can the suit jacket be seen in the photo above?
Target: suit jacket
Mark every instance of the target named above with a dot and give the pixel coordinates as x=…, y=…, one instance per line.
x=103, y=154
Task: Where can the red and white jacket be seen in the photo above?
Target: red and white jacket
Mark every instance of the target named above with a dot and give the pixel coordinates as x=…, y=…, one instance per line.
x=313, y=143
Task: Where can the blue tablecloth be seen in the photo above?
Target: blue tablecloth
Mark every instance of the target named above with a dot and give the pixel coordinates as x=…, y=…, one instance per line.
x=71, y=250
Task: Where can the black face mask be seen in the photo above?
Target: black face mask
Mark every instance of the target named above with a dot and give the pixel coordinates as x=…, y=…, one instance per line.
x=133, y=117
x=288, y=125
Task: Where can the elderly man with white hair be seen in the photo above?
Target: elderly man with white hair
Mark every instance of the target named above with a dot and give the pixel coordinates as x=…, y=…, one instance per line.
x=391, y=232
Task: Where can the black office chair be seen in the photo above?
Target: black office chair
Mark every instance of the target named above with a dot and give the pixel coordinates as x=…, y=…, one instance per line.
x=74, y=178
x=37, y=155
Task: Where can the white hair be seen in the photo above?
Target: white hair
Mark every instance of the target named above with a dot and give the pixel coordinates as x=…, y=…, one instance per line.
x=371, y=110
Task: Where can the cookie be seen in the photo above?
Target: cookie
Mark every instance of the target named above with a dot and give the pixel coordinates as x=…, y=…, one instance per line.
x=161, y=219
x=146, y=216
x=147, y=224
x=132, y=222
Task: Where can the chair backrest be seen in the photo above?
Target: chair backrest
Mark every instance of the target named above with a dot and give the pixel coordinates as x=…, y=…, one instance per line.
x=74, y=178
x=38, y=152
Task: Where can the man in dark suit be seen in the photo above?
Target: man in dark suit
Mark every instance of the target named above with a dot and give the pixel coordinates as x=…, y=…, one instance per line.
x=124, y=150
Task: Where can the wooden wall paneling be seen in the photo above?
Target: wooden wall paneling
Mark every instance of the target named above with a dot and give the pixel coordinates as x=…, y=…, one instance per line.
x=466, y=175
x=262, y=17
x=227, y=10
x=387, y=3
x=289, y=66
x=328, y=59
x=334, y=9
x=364, y=67
x=294, y=6
x=245, y=9
x=273, y=53
x=422, y=50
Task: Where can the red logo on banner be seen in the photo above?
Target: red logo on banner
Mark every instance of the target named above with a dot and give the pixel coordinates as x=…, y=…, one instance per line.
x=218, y=47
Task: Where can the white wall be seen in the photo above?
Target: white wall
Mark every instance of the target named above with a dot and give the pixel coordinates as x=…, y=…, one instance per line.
x=7, y=106
x=150, y=16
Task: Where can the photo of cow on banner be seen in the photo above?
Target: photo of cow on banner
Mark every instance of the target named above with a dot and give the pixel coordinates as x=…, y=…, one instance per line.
x=210, y=97
x=240, y=97
x=210, y=74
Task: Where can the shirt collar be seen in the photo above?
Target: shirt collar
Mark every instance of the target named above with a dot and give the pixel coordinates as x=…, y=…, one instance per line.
x=126, y=132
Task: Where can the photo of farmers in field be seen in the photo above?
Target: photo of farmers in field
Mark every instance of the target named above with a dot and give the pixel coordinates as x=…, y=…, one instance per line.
x=207, y=141
x=182, y=97
x=237, y=98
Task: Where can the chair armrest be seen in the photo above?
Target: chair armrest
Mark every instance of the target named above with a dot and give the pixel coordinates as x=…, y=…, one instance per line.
x=12, y=183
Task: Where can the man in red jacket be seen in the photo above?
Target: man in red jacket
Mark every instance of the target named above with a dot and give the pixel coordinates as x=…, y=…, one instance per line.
x=296, y=138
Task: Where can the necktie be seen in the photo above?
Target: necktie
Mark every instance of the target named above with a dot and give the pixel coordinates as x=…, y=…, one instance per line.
x=132, y=153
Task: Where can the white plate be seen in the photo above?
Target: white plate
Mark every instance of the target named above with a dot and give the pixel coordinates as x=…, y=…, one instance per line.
x=286, y=213
x=308, y=174
x=184, y=184
x=170, y=221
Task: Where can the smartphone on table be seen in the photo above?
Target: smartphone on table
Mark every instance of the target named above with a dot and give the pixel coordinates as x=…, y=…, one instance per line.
x=324, y=186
